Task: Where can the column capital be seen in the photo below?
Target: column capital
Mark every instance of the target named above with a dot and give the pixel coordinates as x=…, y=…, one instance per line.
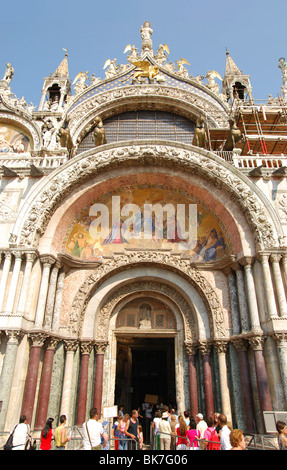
x=70, y=345
x=86, y=347
x=280, y=338
x=14, y=336
x=246, y=261
x=52, y=343
x=47, y=259
x=38, y=339
x=190, y=347
x=263, y=257
x=100, y=346
x=221, y=346
x=275, y=257
x=204, y=347
x=256, y=342
x=240, y=344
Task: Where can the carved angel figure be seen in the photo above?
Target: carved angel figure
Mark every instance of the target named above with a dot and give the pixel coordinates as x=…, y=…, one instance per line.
x=160, y=55
x=112, y=70
x=181, y=70
x=81, y=79
x=211, y=83
x=133, y=55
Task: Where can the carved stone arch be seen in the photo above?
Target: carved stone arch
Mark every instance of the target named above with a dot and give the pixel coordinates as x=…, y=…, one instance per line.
x=165, y=291
x=162, y=98
x=25, y=124
x=139, y=259
x=46, y=197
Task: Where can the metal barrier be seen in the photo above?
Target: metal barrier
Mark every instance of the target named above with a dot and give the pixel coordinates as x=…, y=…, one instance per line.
x=253, y=441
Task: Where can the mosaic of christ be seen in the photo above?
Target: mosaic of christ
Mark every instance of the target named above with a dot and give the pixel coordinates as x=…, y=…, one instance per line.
x=146, y=218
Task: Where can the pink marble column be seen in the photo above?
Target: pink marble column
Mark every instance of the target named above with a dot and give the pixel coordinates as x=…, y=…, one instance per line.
x=256, y=344
x=207, y=377
x=246, y=387
x=98, y=391
x=193, y=396
x=45, y=385
x=32, y=376
x=83, y=386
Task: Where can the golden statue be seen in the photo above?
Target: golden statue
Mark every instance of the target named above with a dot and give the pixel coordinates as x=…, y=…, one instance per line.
x=145, y=69
x=99, y=132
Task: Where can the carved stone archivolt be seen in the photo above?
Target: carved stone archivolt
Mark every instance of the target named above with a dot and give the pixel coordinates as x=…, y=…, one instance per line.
x=40, y=206
x=138, y=259
x=183, y=102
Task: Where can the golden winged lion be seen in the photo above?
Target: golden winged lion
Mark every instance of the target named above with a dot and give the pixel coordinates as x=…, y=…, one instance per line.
x=145, y=69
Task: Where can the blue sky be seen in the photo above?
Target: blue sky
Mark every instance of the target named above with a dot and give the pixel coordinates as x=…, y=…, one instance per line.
x=34, y=32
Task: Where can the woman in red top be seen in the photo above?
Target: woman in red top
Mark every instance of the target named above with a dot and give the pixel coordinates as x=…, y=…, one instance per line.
x=181, y=435
x=47, y=435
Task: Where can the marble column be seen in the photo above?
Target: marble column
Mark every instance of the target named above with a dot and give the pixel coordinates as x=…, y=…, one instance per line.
x=256, y=344
x=221, y=347
x=193, y=392
x=32, y=375
x=47, y=261
x=14, y=282
x=207, y=378
x=281, y=297
x=98, y=390
x=70, y=346
x=268, y=287
x=58, y=301
x=281, y=340
x=25, y=284
x=251, y=294
x=241, y=298
x=234, y=307
x=4, y=277
x=284, y=266
x=14, y=338
x=45, y=384
x=86, y=348
x=51, y=296
x=241, y=346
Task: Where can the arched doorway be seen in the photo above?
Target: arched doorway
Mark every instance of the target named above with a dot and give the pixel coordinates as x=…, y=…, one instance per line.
x=145, y=371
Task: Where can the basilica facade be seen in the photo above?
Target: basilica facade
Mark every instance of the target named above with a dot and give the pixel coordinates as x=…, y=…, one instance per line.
x=143, y=242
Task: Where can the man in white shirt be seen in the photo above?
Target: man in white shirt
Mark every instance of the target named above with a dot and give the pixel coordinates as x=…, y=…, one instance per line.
x=224, y=433
x=93, y=431
x=21, y=434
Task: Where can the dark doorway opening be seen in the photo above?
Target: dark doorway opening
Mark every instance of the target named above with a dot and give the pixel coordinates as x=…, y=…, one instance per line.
x=145, y=366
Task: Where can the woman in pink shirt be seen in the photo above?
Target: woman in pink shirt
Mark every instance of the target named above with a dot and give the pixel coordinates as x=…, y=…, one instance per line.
x=193, y=435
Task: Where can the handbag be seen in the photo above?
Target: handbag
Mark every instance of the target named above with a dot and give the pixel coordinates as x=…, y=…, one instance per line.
x=99, y=447
x=9, y=443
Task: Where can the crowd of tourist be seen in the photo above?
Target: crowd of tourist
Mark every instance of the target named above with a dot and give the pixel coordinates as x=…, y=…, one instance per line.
x=132, y=432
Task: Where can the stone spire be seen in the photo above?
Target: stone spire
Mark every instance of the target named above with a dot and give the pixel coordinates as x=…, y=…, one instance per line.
x=236, y=84
x=63, y=69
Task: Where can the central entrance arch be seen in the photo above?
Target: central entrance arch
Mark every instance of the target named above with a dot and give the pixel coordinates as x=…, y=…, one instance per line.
x=145, y=330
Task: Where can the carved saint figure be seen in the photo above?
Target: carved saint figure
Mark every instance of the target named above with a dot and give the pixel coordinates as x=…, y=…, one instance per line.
x=9, y=72
x=282, y=64
x=99, y=132
x=145, y=316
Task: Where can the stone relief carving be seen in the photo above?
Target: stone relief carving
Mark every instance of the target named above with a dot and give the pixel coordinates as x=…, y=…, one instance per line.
x=136, y=258
x=206, y=166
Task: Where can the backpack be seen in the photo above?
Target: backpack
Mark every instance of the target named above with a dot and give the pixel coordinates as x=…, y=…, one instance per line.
x=215, y=441
x=9, y=443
